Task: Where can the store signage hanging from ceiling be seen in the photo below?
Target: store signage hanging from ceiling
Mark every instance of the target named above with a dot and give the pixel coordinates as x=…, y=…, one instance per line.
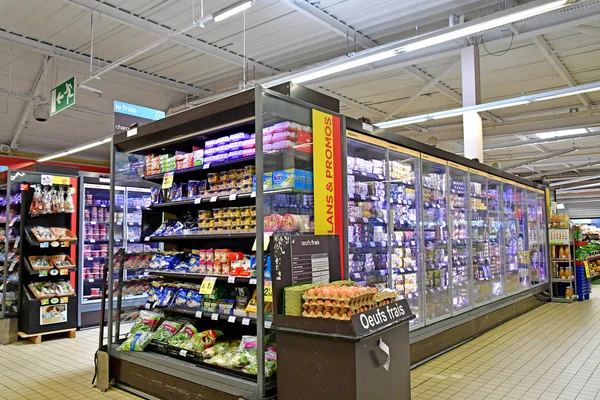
x=327, y=164
x=63, y=96
x=128, y=114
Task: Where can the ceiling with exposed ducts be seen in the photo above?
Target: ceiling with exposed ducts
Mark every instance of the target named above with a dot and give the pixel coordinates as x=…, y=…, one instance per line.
x=43, y=42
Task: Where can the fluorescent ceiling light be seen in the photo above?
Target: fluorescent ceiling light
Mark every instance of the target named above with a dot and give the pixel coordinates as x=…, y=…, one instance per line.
x=75, y=149
x=482, y=26
x=566, y=132
x=494, y=105
x=232, y=10
x=345, y=66
x=52, y=156
x=432, y=39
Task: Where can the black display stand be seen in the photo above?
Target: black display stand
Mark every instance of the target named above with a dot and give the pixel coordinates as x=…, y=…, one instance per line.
x=53, y=314
x=366, y=358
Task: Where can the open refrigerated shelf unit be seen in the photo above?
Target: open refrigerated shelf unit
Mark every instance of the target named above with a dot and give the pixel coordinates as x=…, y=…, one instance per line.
x=205, y=204
x=94, y=224
x=426, y=223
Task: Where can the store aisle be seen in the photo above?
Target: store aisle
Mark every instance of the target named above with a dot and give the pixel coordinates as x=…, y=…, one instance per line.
x=54, y=369
x=552, y=352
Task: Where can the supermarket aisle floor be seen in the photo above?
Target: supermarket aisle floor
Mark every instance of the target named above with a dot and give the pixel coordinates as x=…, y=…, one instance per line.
x=552, y=352
x=54, y=369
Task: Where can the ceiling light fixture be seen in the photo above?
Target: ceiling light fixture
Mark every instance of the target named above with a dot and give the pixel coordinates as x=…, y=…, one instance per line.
x=232, y=10
x=75, y=150
x=442, y=36
x=566, y=132
x=494, y=105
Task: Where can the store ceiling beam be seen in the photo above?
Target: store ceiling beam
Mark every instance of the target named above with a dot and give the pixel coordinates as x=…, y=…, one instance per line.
x=589, y=30
x=424, y=77
x=562, y=171
x=351, y=103
x=331, y=22
x=545, y=157
x=28, y=106
x=534, y=142
x=453, y=132
x=575, y=180
x=425, y=88
x=559, y=67
x=128, y=18
x=61, y=52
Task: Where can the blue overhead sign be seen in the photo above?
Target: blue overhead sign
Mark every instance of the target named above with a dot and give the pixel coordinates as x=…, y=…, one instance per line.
x=138, y=111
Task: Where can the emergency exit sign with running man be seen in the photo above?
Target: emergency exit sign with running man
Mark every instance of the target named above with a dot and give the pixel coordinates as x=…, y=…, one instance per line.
x=63, y=96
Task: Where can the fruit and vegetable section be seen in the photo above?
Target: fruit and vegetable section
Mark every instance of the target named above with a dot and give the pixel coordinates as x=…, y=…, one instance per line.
x=48, y=298
x=445, y=237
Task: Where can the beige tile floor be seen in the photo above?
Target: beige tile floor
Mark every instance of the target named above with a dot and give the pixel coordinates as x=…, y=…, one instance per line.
x=552, y=352
x=55, y=369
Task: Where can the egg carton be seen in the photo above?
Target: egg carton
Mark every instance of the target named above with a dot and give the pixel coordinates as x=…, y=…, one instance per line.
x=337, y=314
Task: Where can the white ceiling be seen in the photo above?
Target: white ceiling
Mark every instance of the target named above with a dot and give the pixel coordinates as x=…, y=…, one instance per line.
x=285, y=35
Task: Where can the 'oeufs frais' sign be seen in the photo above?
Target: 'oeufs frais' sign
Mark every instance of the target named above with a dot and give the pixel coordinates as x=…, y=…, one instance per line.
x=381, y=317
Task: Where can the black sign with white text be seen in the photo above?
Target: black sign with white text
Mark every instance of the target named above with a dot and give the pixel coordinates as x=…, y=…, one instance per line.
x=381, y=317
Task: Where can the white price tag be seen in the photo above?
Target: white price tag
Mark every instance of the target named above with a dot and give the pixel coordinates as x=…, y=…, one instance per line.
x=198, y=200
x=183, y=352
x=359, y=245
x=214, y=316
x=246, y=321
x=198, y=314
x=231, y=279
x=146, y=273
x=92, y=222
x=206, y=166
x=351, y=219
x=147, y=306
x=213, y=199
x=147, y=239
x=268, y=324
x=92, y=240
x=357, y=276
x=90, y=258
x=372, y=244
x=91, y=280
x=253, y=194
x=231, y=319
x=232, y=196
x=252, y=281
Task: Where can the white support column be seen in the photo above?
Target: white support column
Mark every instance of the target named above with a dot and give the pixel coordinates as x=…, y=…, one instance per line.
x=471, y=95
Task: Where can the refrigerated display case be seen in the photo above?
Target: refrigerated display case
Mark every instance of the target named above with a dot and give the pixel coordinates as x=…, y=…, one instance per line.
x=404, y=219
x=436, y=246
x=459, y=233
x=368, y=215
x=94, y=250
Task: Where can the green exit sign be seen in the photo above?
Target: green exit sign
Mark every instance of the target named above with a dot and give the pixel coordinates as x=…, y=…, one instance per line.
x=63, y=96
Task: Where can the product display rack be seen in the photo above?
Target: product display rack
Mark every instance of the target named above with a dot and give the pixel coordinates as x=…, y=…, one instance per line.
x=220, y=215
x=94, y=225
x=53, y=308
x=562, y=265
x=10, y=219
x=458, y=265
